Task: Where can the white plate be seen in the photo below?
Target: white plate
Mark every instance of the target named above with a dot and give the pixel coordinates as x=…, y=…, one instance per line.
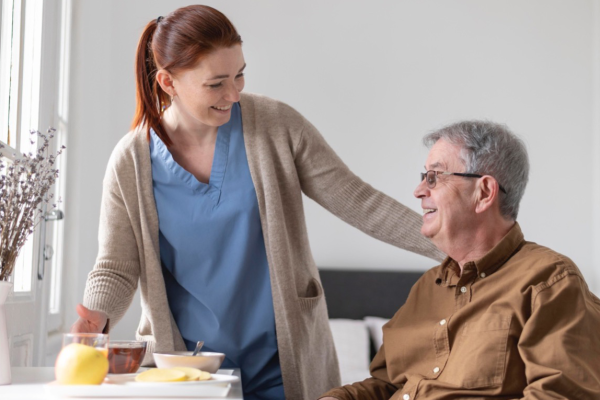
x=125, y=386
x=111, y=376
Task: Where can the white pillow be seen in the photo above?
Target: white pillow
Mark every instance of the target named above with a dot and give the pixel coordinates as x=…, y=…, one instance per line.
x=351, y=339
x=374, y=324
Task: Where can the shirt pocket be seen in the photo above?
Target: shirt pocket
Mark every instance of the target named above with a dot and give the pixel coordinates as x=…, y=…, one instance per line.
x=478, y=358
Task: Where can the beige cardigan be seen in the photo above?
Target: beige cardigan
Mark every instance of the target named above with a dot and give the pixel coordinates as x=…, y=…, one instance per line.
x=287, y=156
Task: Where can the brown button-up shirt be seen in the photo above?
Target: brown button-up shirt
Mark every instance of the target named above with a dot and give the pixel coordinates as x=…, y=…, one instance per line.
x=518, y=323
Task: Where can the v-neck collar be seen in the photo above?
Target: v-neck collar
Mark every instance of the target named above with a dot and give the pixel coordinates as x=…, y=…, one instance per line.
x=218, y=169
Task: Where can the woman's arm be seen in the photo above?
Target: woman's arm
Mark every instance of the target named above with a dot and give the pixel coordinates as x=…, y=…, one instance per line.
x=112, y=283
x=326, y=179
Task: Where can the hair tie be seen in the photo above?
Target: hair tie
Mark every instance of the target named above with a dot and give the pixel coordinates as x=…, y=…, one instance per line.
x=159, y=19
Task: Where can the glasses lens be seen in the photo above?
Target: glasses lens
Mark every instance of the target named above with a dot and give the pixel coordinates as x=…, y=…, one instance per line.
x=431, y=175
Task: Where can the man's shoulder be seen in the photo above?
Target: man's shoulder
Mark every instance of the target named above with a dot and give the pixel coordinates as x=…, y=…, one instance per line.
x=551, y=272
x=544, y=255
x=543, y=264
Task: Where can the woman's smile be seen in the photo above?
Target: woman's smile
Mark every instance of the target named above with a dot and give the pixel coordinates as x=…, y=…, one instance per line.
x=221, y=110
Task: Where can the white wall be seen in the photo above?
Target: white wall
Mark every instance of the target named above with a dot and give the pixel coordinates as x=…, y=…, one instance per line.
x=374, y=77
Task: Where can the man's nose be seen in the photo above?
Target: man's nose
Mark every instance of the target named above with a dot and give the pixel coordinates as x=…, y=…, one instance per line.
x=422, y=190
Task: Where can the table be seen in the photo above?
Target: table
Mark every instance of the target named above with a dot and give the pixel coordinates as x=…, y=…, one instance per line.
x=28, y=384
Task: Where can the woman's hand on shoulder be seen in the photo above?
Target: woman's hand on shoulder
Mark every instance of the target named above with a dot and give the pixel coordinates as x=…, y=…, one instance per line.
x=89, y=321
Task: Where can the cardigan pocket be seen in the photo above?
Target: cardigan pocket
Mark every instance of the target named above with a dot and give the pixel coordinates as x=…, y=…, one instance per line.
x=312, y=297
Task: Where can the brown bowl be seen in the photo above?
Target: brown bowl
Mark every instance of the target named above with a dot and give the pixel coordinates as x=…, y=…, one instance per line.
x=125, y=356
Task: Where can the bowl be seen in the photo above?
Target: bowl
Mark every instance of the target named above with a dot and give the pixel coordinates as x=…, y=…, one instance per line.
x=125, y=356
x=205, y=360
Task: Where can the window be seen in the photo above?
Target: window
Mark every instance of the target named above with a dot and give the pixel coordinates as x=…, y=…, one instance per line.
x=20, y=55
x=34, y=51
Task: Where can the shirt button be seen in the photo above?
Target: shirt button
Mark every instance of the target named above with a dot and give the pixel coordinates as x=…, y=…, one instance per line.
x=436, y=370
x=406, y=397
x=443, y=322
x=463, y=289
x=482, y=275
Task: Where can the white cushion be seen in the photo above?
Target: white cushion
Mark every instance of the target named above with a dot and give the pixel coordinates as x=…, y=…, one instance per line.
x=351, y=339
x=374, y=324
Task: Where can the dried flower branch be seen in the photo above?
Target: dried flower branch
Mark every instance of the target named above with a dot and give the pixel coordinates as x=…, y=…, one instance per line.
x=24, y=188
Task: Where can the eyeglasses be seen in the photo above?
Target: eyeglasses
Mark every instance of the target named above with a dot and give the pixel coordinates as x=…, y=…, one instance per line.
x=431, y=177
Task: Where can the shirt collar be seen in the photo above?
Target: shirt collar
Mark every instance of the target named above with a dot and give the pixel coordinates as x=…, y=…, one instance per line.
x=489, y=263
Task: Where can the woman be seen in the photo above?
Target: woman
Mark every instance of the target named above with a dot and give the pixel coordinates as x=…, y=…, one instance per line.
x=202, y=204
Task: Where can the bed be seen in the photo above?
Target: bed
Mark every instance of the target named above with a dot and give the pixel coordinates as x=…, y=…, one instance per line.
x=359, y=303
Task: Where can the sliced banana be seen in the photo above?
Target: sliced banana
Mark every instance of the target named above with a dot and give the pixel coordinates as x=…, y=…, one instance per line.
x=193, y=374
x=161, y=375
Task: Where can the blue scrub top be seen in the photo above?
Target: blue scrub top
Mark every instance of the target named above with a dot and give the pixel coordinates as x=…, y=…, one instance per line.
x=214, y=259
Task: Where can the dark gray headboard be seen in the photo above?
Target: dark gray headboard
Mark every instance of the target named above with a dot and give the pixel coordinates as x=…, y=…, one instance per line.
x=356, y=294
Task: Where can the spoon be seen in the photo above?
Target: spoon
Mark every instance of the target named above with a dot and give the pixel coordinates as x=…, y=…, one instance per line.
x=198, y=347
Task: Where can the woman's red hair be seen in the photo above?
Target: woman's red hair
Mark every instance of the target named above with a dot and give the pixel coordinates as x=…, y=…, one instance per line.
x=174, y=43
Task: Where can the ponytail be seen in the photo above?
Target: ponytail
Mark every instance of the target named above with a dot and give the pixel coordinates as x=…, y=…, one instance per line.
x=150, y=98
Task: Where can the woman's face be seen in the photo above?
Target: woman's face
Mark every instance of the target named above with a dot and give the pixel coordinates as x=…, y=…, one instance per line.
x=205, y=93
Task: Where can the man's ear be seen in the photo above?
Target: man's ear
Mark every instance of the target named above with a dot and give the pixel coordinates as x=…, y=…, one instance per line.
x=488, y=191
x=165, y=80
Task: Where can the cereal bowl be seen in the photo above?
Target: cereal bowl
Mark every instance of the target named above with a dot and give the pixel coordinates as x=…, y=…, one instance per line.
x=125, y=356
x=205, y=360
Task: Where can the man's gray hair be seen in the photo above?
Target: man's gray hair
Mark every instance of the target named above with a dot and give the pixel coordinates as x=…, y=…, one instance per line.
x=490, y=149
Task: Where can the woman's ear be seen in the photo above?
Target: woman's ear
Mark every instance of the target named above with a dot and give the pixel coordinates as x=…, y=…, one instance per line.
x=487, y=193
x=165, y=80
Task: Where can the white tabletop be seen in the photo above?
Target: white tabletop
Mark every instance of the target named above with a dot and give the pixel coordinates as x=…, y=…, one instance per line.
x=28, y=384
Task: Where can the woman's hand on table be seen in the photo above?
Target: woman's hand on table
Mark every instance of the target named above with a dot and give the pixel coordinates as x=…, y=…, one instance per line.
x=89, y=321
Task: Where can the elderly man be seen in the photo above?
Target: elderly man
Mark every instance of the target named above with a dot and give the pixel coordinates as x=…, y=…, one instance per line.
x=500, y=318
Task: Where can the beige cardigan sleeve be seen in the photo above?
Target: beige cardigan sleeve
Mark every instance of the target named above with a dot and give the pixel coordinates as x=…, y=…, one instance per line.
x=327, y=180
x=112, y=283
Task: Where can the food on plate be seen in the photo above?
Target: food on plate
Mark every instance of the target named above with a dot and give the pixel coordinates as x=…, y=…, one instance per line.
x=194, y=374
x=175, y=374
x=78, y=364
x=161, y=375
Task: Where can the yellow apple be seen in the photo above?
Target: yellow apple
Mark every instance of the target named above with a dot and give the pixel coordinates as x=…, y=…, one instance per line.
x=78, y=364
